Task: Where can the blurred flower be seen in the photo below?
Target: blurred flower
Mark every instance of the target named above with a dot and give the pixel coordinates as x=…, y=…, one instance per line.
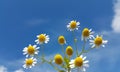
x=80, y=63
x=61, y=40
x=69, y=50
x=58, y=59
x=87, y=34
x=30, y=62
x=30, y=50
x=73, y=25
x=42, y=38
x=98, y=41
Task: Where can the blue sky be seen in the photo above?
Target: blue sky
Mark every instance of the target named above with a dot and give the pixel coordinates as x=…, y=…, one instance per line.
x=22, y=20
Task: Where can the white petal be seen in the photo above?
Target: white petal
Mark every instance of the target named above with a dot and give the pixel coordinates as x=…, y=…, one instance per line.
x=26, y=55
x=37, y=36
x=24, y=66
x=93, y=46
x=83, y=69
x=86, y=61
x=36, y=40
x=81, y=56
x=91, y=41
x=105, y=41
x=78, y=23
x=72, y=66
x=84, y=58
x=34, y=46
x=90, y=30
x=86, y=65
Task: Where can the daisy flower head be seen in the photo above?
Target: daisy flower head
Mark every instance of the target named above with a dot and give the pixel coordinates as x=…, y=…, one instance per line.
x=30, y=62
x=58, y=59
x=42, y=38
x=79, y=62
x=61, y=40
x=73, y=25
x=31, y=50
x=98, y=41
x=87, y=34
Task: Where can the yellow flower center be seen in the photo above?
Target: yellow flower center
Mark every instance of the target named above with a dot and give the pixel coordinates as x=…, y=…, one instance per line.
x=85, y=32
x=31, y=50
x=29, y=62
x=58, y=59
x=98, y=41
x=42, y=38
x=61, y=39
x=69, y=51
x=73, y=24
x=78, y=62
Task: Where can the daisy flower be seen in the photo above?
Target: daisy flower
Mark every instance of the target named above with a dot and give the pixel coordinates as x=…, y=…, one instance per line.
x=73, y=25
x=30, y=50
x=87, y=34
x=98, y=41
x=79, y=62
x=61, y=40
x=42, y=38
x=30, y=62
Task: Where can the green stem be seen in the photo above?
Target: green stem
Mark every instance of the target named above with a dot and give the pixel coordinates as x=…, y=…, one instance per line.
x=83, y=48
x=75, y=43
x=78, y=70
x=69, y=69
x=42, y=49
x=69, y=64
x=51, y=64
x=63, y=50
x=85, y=51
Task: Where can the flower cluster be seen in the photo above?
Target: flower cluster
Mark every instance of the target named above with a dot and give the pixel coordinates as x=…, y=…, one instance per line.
x=64, y=60
x=31, y=51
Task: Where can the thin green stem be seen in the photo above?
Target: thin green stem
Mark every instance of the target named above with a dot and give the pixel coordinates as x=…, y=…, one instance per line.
x=85, y=51
x=42, y=49
x=78, y=70
x=83, y=48
x=63, y=50
x=49, y=62
x=68, y=66
x=75, y=43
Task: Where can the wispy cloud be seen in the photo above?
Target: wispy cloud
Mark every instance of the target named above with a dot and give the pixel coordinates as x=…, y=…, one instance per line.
x=116, y=19
x=19, y=70
x=33, y=22
x=3, y=69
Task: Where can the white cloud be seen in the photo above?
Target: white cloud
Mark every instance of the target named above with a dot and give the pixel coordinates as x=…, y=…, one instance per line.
x=116, y=19
x=34, y=22
x=20, y=70
x=3, y=69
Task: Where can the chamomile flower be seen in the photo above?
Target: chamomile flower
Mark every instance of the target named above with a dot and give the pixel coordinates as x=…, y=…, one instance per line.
x=87, y=34
x=98, y=41
x=30, y=62
x=73, y=25
x=79, y=62
x=58, y=59
x=30, y=50
x=61, y=40
x=42, y=38
x=69, y=51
